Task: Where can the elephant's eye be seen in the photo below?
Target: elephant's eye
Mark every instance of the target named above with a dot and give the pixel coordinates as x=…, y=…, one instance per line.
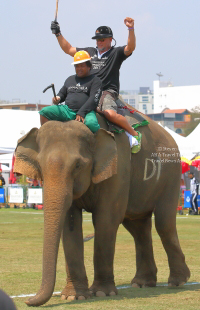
x=78, y=165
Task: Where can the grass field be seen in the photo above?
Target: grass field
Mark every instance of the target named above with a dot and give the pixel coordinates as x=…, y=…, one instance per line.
x=21, y=242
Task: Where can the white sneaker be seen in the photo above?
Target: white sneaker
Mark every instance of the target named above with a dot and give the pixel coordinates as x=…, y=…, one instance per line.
x=132, y=140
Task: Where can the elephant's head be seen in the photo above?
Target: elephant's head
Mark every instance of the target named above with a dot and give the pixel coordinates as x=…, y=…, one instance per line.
x=67, y=157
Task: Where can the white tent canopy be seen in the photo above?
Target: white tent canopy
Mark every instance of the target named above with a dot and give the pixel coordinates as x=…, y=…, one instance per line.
x=193, y=141
x=15, y=124
x=195, y=135
x=6, y=161
x=5, y=168
x=188, y=146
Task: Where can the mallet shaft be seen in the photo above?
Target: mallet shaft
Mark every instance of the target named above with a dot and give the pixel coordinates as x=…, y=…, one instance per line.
x=54, y=92
x=56, y=12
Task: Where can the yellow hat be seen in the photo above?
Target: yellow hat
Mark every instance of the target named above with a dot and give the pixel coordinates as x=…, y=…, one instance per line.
x=81, y=56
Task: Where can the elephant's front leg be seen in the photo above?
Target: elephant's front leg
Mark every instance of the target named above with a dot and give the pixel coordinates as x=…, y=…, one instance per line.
x=72, y=237
x=104, y=247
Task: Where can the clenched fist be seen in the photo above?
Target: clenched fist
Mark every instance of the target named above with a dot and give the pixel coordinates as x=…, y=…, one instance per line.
x=56, y=100
x=129, y=22
x=55, y=27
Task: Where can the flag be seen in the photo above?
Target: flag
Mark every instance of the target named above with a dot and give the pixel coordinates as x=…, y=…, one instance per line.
x=12, y=178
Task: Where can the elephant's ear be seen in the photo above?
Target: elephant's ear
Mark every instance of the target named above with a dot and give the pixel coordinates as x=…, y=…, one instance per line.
x=26, y=155
x=105, y=158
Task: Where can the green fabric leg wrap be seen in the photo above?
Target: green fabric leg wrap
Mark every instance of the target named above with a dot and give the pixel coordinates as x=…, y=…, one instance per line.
x=58, y=113
x=91, y=121
x=63, y=113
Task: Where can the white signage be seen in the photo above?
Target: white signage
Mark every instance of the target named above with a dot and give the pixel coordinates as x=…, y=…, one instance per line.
x=169, y=115
x=35, y=195
x=16, y=195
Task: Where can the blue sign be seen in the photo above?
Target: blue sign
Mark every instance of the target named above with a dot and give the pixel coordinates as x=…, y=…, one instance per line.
x=187, y=199
x=2, y=195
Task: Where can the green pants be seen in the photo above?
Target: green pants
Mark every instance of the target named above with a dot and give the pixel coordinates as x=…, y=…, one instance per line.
x=63, y=113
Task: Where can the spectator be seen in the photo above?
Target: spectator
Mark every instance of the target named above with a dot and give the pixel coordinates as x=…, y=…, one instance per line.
x=193, y=194
x=2, y=180
x=32, y=182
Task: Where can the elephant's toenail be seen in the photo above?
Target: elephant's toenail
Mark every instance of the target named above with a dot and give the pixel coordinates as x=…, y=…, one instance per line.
x=112, y=293
x=71, y=298
x=81, y=298
x=100, y=294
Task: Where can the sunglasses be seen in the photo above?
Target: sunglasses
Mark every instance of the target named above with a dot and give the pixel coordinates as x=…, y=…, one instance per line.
x=100, y=40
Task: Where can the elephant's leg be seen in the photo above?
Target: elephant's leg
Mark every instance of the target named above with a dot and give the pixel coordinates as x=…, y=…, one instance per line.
x=165, y=222
x=72, y=237
x=146, y=269
x=104, y=248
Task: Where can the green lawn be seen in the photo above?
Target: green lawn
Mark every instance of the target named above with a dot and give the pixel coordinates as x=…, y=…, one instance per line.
x=21, y=242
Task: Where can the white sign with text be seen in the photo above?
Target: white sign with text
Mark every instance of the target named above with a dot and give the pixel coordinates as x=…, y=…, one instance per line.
x=16, y=195
x=35, y=195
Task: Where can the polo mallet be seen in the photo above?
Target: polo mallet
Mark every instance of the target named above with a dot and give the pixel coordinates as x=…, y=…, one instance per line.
x=53, y=88
x=56, y=15
x=56, y=12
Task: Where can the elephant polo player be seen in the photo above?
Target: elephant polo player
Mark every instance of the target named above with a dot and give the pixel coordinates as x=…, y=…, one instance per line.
x=80, y=92
x=106, y=62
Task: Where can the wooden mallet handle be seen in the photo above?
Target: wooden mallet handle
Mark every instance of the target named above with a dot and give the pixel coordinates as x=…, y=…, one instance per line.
x=56, y=12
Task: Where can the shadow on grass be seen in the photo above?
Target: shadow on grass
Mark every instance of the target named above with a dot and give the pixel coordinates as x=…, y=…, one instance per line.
x=132, y=293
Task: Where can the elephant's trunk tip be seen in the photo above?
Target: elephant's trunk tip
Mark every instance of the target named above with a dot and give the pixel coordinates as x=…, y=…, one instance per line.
x=28, y=303
x=37, y=300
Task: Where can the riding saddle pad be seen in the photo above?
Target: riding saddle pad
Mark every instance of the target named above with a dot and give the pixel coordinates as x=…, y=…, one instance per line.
x=134, y=117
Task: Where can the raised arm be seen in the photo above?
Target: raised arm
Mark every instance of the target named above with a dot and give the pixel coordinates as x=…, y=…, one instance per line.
x=64, y=44
x=131, y=44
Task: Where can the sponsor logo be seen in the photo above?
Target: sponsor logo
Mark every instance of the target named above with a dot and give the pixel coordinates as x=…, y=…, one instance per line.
x=78, y=87
x=98, y=65
x=188, y=199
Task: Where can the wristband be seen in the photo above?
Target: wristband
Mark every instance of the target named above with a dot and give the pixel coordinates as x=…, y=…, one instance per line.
x=58, y=34
x=131, y=28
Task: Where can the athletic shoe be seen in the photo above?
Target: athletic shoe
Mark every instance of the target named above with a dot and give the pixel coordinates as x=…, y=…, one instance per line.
x=137, y=148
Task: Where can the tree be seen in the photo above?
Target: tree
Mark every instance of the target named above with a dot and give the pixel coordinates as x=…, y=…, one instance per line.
x=195, y=120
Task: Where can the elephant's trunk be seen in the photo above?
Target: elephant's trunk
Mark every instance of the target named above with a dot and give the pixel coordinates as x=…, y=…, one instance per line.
x=56, y=203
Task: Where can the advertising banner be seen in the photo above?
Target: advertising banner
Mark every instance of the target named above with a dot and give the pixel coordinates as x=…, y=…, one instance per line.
x=187, y=200
x=2, y=195
x=16, y=195
x=35, y=195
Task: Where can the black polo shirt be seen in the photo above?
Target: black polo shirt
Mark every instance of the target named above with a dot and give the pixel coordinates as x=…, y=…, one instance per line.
x=107, y=67
x=81, y=94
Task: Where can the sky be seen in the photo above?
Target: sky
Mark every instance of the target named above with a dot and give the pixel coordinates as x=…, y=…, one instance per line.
x=167, y=41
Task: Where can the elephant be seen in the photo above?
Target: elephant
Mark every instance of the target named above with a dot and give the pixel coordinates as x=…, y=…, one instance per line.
x=98, y=173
